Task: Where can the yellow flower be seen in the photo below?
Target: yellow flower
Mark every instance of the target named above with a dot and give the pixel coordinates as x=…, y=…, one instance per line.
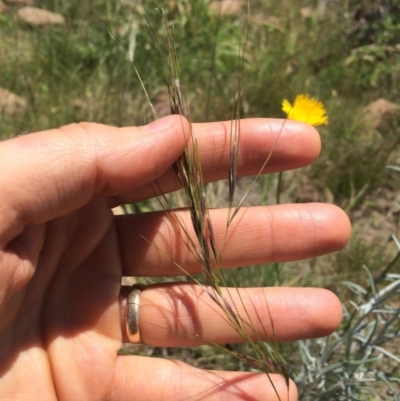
x=306, y=109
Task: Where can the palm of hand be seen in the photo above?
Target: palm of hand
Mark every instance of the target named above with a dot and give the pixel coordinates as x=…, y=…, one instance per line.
x=65, y=330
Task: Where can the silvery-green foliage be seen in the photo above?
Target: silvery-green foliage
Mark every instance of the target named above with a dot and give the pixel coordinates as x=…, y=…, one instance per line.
x=345, y=365
x=348, y=364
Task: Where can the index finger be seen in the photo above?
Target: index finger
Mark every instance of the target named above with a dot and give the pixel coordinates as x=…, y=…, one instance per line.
x=284, y=144
x=51, y=173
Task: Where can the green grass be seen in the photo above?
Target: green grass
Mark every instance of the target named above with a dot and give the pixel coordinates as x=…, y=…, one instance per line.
x=345, y=55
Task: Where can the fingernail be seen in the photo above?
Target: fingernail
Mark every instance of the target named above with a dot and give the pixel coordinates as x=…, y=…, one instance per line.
x=161, y=124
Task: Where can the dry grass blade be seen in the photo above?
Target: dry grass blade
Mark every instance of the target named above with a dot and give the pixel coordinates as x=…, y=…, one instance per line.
x=188, y=168
x=235, y=128
x=235, y=118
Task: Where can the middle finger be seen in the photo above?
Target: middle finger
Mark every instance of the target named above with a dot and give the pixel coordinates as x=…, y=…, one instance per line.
x=155, y=245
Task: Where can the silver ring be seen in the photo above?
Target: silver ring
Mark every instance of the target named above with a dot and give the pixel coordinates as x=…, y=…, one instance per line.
x=132, y=313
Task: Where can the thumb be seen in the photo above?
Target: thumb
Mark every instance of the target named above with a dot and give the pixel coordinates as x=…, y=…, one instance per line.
x=51, y=173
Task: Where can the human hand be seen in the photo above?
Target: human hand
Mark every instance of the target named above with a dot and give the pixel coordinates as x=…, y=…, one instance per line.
x=63, y=254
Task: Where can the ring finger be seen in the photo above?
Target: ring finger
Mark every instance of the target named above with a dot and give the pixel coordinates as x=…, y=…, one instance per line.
x=185, y=314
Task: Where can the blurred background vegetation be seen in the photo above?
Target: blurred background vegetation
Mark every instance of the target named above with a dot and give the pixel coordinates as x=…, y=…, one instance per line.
x=74, y=65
